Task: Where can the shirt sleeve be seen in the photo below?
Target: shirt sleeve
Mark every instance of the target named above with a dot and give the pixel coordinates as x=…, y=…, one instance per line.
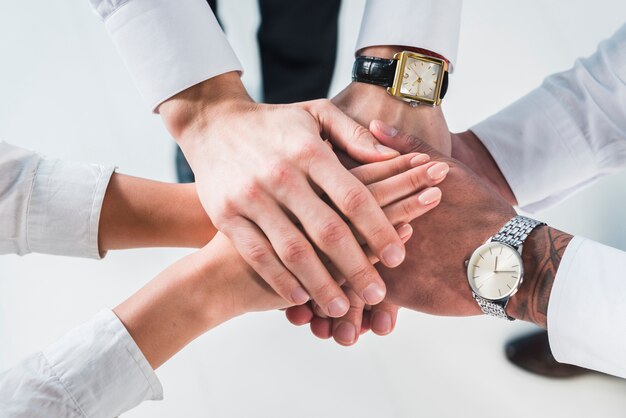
x=587, y=308
x=96, y=370
x=566, y=133
x=49, y=206
x=428, y=24
x=167, y=46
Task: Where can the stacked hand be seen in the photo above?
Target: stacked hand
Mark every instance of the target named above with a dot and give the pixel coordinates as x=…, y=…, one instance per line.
x=260, y=171
x=432, y=279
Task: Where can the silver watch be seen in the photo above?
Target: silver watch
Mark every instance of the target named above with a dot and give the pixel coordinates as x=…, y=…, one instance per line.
x=495, y=270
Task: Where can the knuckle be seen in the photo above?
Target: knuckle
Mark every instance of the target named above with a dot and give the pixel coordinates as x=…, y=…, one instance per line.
x=354, y=200
x=416, y=181
x=362, y=274
x=310, y=150
x=251, y=191
x=258, y=253
x=295, y=251
x=279, y=173
x=281, y=281
x=331, y=232
x=407, y=209
x=324, y=290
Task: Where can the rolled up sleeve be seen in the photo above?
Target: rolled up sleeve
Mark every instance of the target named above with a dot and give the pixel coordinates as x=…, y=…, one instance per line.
x=49, y=206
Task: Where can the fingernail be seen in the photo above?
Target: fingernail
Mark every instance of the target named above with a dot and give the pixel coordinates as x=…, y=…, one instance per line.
x=419, y=159
x=345, y=333
x=429, y=196
x=393, y=255
x=385, y=150
x=405, y=231
x=338, y=307
x=373, y=294
x=381, y=323
x=299, y=296
x=386, y=129
x=438, y=171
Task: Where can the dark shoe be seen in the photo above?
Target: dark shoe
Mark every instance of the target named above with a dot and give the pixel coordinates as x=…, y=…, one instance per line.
x=532, y=353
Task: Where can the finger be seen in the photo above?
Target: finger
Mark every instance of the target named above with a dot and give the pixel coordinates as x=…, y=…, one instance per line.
x=412, y=207
x=333, y=237
x=400, y=141
x=390, y=190
x=383, y=318
x=299, y=315
x=346, y=134
x=346, y=330
x=405, y=231
x=355, y=202
x=298, y=255
x=257, y=251
x=322, y=327
x=373, y=172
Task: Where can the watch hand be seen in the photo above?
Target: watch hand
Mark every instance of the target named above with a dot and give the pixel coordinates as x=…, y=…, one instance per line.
x=506, y=271
x=495, y=268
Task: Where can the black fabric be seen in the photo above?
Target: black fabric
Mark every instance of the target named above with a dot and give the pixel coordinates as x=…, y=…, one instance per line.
x=372, y=70
x=298, y=48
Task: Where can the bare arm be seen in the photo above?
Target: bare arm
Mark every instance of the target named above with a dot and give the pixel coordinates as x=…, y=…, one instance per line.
x=144, y=213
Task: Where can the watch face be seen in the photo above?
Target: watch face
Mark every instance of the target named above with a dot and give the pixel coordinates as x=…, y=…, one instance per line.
x=420, y=78
x=495, y=271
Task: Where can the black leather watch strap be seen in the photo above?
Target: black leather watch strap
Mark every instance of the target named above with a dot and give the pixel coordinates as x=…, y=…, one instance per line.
x=381, y=72
x=372, y=70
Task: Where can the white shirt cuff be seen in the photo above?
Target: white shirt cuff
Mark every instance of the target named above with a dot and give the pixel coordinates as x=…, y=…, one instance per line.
x=102, y=368
x=169, y=46
x=64, y=208
x=541, y=153
x=428, y=24
x=586, y=311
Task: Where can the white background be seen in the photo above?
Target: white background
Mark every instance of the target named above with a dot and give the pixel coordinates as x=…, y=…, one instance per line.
x=64, y=92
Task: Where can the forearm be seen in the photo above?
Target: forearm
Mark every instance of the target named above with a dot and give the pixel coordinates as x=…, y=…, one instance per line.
x=542, y=256
x=145, y=213
x=191, y=297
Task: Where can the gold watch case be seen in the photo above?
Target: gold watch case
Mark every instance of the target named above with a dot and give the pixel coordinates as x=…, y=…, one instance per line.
x=396, y=89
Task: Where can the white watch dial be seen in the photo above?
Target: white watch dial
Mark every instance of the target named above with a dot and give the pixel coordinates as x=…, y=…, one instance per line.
x=495, y=271
x=420, y=78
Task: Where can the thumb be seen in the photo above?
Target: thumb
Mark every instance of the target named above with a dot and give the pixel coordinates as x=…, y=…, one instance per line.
x=347, y=135
x=400, y=141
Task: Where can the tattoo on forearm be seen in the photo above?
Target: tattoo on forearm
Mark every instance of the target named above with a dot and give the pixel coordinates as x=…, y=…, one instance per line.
x=542, y=257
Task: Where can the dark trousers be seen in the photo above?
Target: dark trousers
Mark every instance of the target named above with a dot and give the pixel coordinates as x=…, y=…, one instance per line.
x=298, y=46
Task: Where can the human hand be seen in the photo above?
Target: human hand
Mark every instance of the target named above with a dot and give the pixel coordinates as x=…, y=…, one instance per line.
x=258, y=165
x=432, y=279
x=366, y=102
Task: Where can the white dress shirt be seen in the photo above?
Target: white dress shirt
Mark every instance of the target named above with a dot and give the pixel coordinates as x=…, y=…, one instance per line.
x=52, y=206
x=549, y=144
x=169, y=46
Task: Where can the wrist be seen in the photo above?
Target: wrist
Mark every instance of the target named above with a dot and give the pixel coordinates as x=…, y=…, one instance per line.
x=467, y=148
x=200, y=105
x=542, y=254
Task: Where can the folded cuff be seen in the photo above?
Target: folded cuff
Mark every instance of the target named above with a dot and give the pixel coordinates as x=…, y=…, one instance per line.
x=169, y=46
x=541, y=153
x=102, y=368
x=64, y=208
